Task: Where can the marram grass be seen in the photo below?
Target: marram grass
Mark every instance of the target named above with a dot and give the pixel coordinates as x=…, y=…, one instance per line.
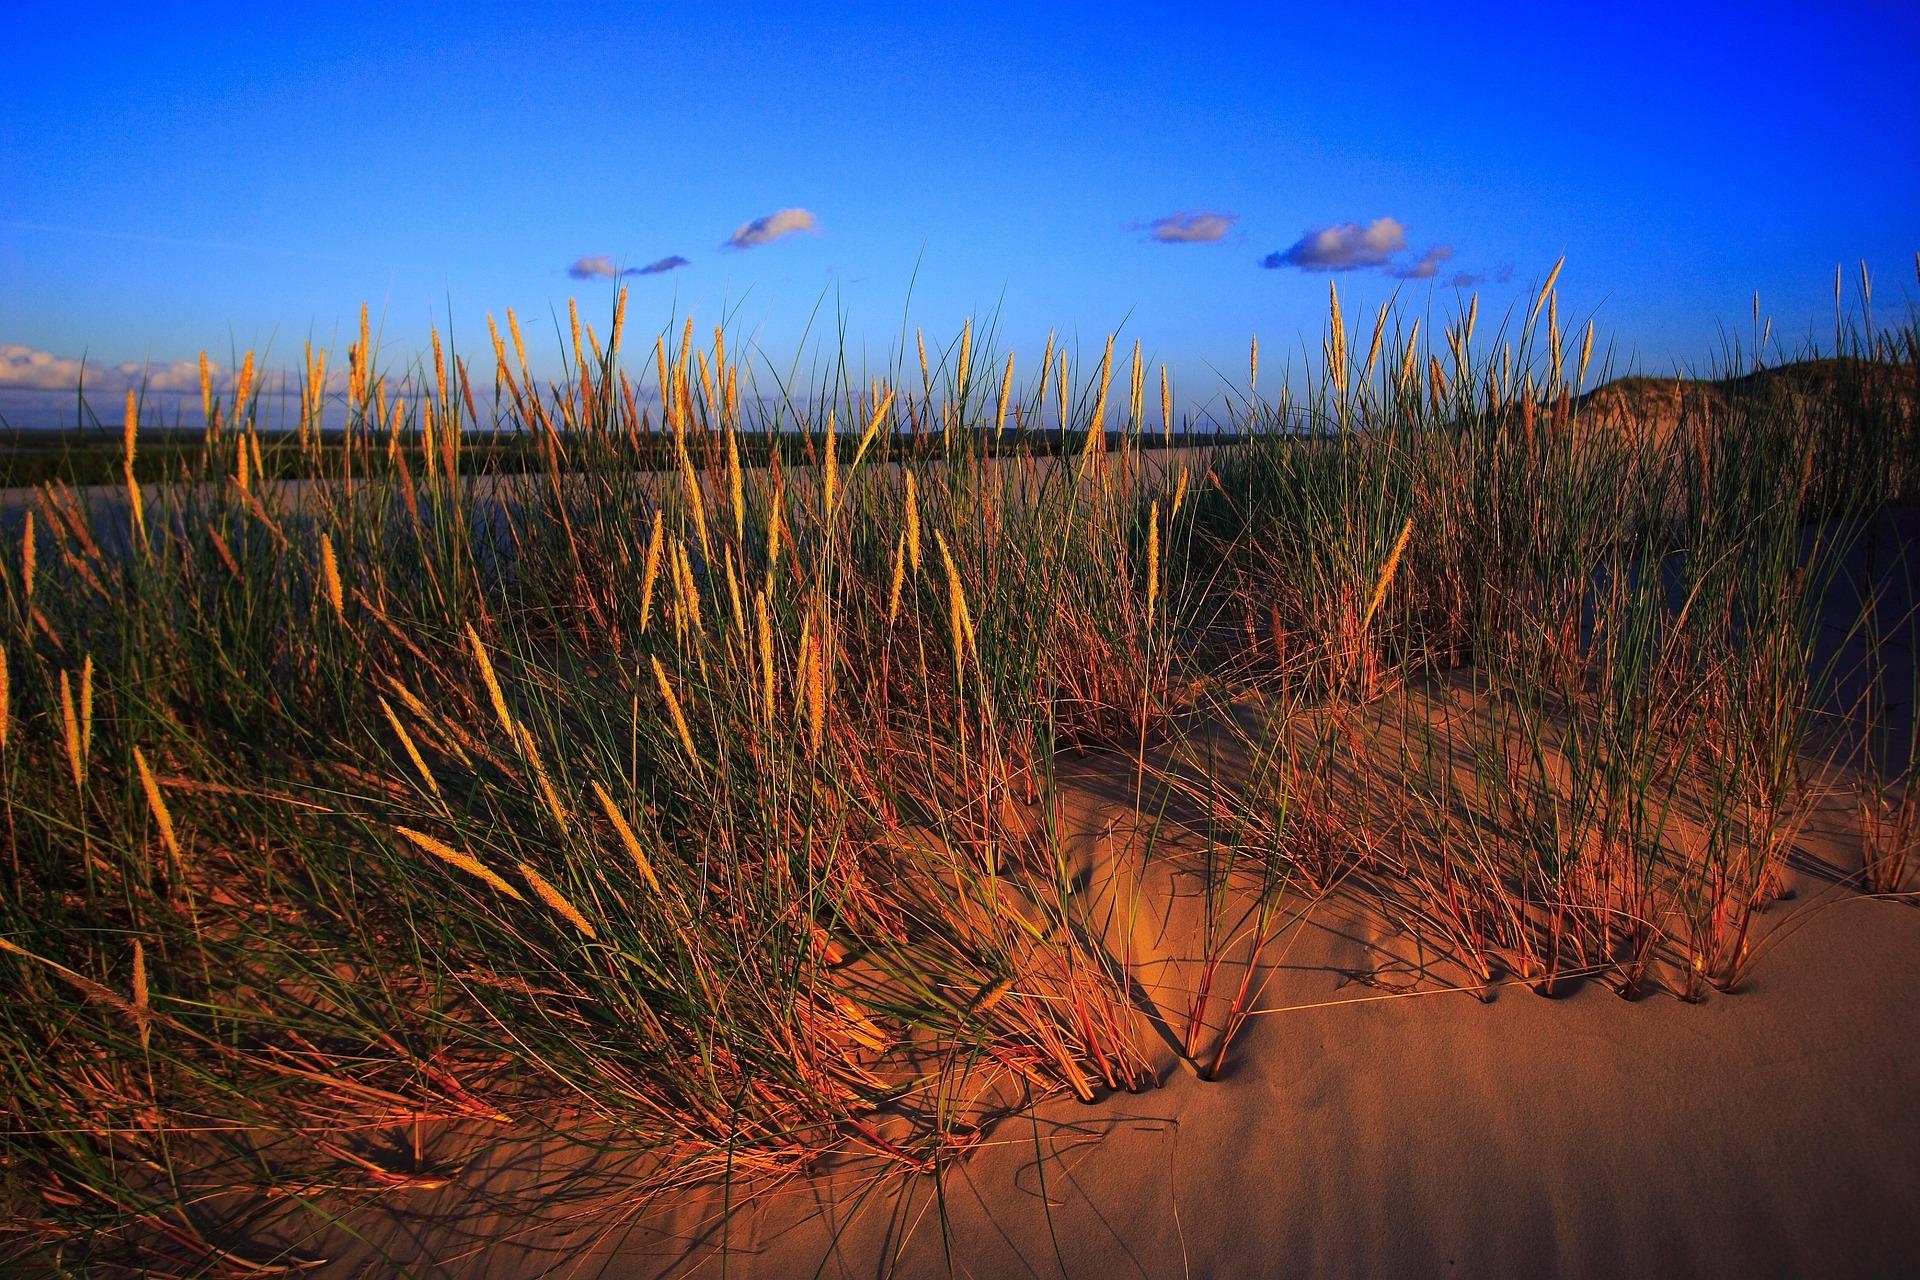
x=654, y=788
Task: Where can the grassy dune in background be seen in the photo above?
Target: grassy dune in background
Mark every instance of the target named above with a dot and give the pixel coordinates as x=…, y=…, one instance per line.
x=732, y=817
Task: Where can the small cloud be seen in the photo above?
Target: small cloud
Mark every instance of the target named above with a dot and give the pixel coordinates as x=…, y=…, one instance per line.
x=673, y=263
x=1196, y=226
x=766, y=230
x=178, y=375
x=1344, y=246
x=22, y=366
x=1504, y=275
x=599, y=266
x=1428, y=266
x=1465, y=280
x=24, y=369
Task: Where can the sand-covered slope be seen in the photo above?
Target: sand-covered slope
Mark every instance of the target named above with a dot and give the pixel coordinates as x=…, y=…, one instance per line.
x=1773, y=1131
x=1377, y=1115
x=1650, y=407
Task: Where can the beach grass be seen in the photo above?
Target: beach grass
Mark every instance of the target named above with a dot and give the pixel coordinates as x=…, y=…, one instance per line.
x=671, y=755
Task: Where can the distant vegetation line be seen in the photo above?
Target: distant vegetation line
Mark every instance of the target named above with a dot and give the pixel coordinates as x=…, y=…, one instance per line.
x=93, y=457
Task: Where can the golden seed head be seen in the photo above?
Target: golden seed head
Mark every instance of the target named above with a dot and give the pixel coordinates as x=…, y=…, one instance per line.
x=673, y=710
x=686, y=589
x=881, y=408
x=690, y=485
x=650, y=573
x=1063, y=391
x=1547, y=289
x=630, y=841
x=960, y=618
x=330, y=570
x=991, y=996
x=413, y=752
x=556, y=901
x=832, y=477
x=767, y=686
x=86, y=705
x=519, y=344
x=134, y=503
x=141, y=1006
x=455, y=858
x=317, y=384
x=157, y=804
x=817, y=690
x=1387, y=571
x=1373, y=348
x=492, y=682
x=1006, y=394
x=1153, y=558
x=1336, y=339
x=70, y=721
x=545, y=783
x=1098, y=424
x=1553, y=335
x=733, y=594
x=899, y=576
x=736, y=488
x=913, y=522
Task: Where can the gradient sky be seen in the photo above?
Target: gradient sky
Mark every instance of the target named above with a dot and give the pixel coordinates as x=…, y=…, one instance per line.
x=226, y=178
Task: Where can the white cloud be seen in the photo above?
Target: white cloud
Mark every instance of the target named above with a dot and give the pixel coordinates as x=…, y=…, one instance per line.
x=599, y=266
x=22, y=366
x=767, y=229
x=25, y=369
x=1428, y=266
x=673, y=263
x=1344, y=246
x=1196, y=226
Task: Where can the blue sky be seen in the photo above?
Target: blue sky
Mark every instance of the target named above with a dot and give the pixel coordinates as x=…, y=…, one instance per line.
x=224, y=178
